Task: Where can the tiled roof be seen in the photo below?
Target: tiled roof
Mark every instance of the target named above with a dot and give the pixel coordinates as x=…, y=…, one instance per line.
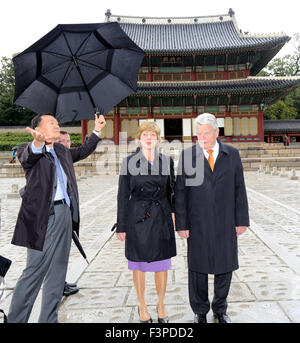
x=282, y=125
x=249, y=85
x=192, y=34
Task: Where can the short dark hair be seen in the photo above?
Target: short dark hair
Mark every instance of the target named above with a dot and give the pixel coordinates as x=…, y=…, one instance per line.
x=64, y=132
x=35, y=121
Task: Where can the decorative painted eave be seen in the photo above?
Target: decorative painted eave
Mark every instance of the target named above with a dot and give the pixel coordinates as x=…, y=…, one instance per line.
x=237, y=86
x=217, y=33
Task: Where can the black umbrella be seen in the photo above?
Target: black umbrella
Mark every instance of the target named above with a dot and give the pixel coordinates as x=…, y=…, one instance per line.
x=4, y=265
x=77, y=69
x=79, y=246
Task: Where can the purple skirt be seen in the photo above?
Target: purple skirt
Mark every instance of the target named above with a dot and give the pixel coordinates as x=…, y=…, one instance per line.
x=156, y=266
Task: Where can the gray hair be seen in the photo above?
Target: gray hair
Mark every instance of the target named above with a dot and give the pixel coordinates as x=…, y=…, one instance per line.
x=206, y=118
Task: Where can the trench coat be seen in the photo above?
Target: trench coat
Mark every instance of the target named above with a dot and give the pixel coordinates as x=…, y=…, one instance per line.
x=145, y=207
x=212, y=210
x=37, y=199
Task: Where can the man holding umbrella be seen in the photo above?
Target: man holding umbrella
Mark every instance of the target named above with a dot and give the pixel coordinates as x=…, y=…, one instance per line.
x=49, y=211
x=65, y=140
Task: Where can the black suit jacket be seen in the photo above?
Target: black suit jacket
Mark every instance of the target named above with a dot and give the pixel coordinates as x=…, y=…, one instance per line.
x=37, y=199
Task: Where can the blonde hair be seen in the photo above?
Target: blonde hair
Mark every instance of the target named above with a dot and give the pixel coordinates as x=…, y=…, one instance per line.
x=148, y=126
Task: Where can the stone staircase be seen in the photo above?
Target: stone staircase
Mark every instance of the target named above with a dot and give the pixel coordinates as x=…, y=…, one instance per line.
x=269, y=155
x=106, y=160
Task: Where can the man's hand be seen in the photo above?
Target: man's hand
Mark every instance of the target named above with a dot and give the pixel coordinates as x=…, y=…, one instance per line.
x=184, y=233
x=38, y=138
x=240, y=229
x=121, y=236
x=99, y=122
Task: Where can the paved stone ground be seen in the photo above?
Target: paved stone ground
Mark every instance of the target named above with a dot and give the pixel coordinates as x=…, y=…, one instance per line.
x=266, y=287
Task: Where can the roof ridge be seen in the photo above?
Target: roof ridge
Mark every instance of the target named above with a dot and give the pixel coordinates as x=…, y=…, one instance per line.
x=188, y=20
x=167, y=20
x=170, y=17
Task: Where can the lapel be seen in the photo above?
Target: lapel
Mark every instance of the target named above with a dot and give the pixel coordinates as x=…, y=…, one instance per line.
x=223, y=153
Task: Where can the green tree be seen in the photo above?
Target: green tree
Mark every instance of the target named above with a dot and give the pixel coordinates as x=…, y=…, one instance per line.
x=280, y=110
x=288, y=65
x=10, y=114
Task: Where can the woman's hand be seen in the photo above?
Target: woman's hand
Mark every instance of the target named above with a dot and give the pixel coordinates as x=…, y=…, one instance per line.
x=240, y=229
x=184, y=233
x=121, y=236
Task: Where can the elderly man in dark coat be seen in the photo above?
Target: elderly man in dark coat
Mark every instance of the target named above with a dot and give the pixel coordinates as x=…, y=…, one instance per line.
x=211, y=210
x=48, y=213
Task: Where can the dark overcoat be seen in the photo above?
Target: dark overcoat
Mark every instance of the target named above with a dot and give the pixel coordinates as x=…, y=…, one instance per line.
x=212, y=210
x=37, y=199
x=145, y=206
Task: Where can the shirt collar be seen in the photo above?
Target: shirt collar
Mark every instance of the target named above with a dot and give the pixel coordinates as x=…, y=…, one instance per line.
x=215, y=148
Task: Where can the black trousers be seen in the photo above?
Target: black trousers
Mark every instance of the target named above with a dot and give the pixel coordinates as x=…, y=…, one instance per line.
x=198, y=292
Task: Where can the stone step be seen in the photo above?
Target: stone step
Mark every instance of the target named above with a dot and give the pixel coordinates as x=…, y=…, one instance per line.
x=105, y=160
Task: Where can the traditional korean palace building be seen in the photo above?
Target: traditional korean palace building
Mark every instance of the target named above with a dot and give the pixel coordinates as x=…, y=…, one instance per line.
x=195, y=65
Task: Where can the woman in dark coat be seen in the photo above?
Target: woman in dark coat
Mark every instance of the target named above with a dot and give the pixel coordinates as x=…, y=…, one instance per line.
x=145, y=218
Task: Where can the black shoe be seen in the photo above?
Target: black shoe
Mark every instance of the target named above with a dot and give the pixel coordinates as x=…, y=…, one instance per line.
x=71, y=284
x=162, y=320
x=222, y=318
x=70, y=290
x=200, y=318
x=145, y=321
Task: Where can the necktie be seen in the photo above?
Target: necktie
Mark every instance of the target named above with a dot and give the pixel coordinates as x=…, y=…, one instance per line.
x=60, y=177
x=211, y=159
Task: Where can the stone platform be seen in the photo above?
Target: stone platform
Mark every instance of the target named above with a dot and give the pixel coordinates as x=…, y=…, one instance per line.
x=265, y=289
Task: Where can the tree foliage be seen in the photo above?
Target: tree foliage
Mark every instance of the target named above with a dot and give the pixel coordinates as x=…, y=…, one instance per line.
x=10, y=114
x=288, y=65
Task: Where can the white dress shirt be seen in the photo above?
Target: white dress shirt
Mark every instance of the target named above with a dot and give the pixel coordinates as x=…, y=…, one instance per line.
x=215, y=153
x=59, y=193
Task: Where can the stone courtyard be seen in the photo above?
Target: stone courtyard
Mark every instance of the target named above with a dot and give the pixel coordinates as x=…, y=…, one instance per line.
x=265, y=289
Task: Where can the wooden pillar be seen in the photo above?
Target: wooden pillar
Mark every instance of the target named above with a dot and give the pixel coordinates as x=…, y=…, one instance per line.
x=260, y=123
x=150, y=74
x=195, y=113
x=226, y=73
x=84, y=130
x=193, y=75
x=150, y=114
x=247, y=73
x=116, y=127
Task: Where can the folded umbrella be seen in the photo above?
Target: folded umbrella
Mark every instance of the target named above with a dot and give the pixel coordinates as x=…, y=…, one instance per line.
x=79, y=246
x=4, y=266
x=76, y=69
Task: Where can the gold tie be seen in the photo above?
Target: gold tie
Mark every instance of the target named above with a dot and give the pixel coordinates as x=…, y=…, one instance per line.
x=211, y=159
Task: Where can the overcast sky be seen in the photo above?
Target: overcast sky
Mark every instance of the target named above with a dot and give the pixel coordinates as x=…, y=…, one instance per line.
x=25, y=21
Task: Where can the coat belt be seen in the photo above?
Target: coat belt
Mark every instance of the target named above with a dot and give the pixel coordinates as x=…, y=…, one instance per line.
x=147, y=214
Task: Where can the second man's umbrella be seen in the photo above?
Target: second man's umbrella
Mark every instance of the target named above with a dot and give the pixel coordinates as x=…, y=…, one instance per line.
x=76, y=70
x=79, y=246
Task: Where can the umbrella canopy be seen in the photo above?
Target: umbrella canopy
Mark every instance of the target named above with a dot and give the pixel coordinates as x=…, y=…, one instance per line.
x=76, y=70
